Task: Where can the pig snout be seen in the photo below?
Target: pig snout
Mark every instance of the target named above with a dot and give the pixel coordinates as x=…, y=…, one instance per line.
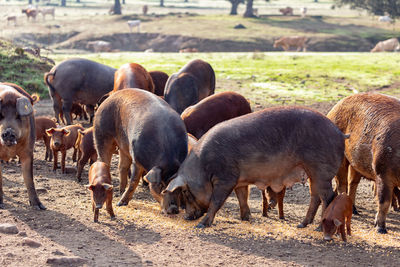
x=172, y=209
x=99, y=205
x=57, y=143
x=327, y=238
x=9, y=137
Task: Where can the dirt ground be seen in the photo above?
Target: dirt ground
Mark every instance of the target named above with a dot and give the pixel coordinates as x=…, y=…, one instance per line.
x=142, y=236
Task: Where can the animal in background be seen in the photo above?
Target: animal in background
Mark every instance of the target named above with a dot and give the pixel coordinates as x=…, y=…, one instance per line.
x=17, y=136
x=288, y=41
x=145, y=9
x=303, y=12
x=41, y=124
x=160, y=78
x=193, y=82
x=30, y=13
x=288, y=11
x=390, y=45
x=101, y=189
x=271, y=199
x=13, y=19
x=336, y=216
x=47, y=11
x=63, y=139
x=86, y=150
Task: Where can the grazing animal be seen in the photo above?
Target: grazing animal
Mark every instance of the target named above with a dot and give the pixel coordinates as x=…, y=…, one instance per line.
x=212, y=110
x=30, y=13
x=271, y=199
x=288, y=11
x=288, y=41
x=149, y=134
x=189, y=50
x=303, y=12
x=47, y=11
x=41, y=124
x=275, y=147
x=134, y=23
x=101, y=189
x=63, y=139
x=99, y=46
x=336, y=215
x=17, y=136
x=80, y=81
x=389, y=45
x=193, y=82
x=132, y=75
x=160, y=80
x=373, y=149
x=145, y=9
x=12, y=18
x=385, y=19
x=86, y=150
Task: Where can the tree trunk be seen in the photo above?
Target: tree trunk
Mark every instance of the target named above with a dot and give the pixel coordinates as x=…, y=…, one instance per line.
x=249, y=9
x=30, y=2
x=161, y=2
x=123, y=2
x=78, y=1
x=63, y=2
x=234, y=7
x=117, y=8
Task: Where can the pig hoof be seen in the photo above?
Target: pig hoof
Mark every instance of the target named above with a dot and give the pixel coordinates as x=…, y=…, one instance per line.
x=200, y=226
x=122, y=203
x=301, y=225
x=355, y=211
x=282, y=218
x=381, y=230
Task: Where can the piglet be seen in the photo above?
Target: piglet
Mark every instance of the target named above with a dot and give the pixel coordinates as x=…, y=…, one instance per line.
x=100, y=188
x=336, y=214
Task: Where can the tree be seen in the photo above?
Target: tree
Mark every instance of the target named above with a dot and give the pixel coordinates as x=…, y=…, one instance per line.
x=376, y=7
x=63, y=2
x=161, y=2
x=249, y=9
x=235, y=4
x=117, y=8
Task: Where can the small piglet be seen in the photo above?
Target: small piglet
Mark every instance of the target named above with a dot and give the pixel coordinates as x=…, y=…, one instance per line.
x=340, y=209
x=86, y=150
x=63, y=139
x=100, y=188
x=41, y=124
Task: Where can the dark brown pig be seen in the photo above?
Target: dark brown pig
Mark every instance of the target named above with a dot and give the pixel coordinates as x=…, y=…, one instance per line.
x=271, y=201
x=396, y=199
x=132, y=75
x=195, y=81
x=41, y=124
x=78, y=80
x=17, y=136
x=336, y=215
x=100, y=188
x=275, y=147
x=86, y=150
x=149, y=134
x=212, y=110
x=373, y=149
x=160, y=80
x=63, y=139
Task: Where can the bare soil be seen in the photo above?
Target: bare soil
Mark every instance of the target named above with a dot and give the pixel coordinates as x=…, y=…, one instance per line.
x=142, y=236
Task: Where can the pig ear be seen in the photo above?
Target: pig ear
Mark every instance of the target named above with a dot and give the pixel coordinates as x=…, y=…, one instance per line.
x=24, y=106
x=89, y=186
x=107, y=186
x=153, y=176
x=337, y=222
x=66, y=132
x=50, y=131
x=176, y=183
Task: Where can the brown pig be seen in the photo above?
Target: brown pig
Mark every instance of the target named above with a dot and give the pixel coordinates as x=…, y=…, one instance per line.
x=41, y=124
x=63, y=139
x=336, y=215
x=86, y=150
x=159, y=79
x=17, y=136
x=271, y=201
x=373, y=149
x=100, y=188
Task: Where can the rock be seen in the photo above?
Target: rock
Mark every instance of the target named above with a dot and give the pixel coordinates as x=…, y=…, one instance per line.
x=239, y=26
x=58, y=253
x=22, y=233
x=8, y=228
x=65, y=260
x=31, y=243
x=41, y=190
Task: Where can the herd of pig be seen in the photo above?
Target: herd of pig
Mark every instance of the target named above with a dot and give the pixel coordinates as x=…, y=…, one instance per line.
x=194, y=147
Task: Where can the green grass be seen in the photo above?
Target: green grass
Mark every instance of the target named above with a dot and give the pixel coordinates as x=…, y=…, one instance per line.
x=271, y=78
x=22, y=69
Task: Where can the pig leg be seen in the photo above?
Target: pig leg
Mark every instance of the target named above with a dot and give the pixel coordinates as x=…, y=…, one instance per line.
x=353, y=178
x=242, y=193
x=125, y=163
x=1, y=187
x=272, y=197
x=396, y=199
x=343, y=233
x=341, y=178
x=90, y=111
x=55, y=162
x=280, y=197
x=56, y=108
x=81, y=163
x=49, y=154
x=135, y=178
x=74, y=155
x=265, y=205
x=66, y=108
x=27, y=173
x=313, y=207
x=348, y=223
x=109, y=205
x=220, y=193
x=63, y=156
x=384, y=198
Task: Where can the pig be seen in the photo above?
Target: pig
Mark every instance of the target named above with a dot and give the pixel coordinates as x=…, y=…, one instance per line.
x=148, y=133
x=195, y=81
x=336, y=215
x=63, y=139
x=373, y=149
x=17, y=136
x=41, y=124
x=396, y=199
x=271, y=201
x=78, y=80
x=86, y=151
x=212, y=110
x=274, y=147
x=100, y=188
x=159, y=79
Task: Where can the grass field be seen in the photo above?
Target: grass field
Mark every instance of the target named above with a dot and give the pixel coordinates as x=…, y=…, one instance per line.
x=274, y=78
